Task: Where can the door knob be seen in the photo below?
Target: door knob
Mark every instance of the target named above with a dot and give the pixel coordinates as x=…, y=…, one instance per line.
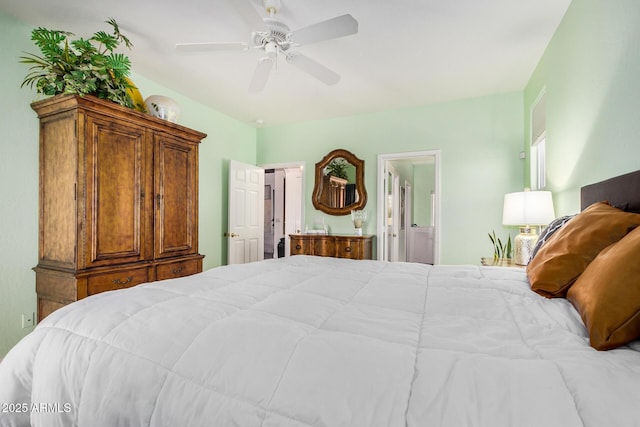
x=231, y=235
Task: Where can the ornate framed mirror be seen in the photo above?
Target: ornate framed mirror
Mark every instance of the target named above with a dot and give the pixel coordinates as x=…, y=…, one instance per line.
x=339, y=186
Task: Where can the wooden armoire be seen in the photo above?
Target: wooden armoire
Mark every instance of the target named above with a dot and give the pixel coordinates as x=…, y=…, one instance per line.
x=118, y=199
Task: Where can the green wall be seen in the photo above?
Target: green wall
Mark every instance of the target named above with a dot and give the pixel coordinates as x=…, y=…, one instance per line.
x=591, y=70
x=227, y=139
x=18, y=187
x=479, y=140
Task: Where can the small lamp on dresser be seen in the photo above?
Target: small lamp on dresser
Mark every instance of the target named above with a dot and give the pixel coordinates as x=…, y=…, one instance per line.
x=527, y=209
x=358, y=218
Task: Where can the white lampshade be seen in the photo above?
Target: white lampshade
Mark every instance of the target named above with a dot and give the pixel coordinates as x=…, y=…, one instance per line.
x=528, y=208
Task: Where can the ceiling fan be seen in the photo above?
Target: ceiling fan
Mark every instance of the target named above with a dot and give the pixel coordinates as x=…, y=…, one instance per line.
x=274, y=38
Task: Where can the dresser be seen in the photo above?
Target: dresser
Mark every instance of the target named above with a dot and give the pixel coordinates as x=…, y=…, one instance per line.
x=334, y=245
x=118, y=201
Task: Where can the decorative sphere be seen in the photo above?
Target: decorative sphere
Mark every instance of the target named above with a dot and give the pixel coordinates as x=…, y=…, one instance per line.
x=163, y=107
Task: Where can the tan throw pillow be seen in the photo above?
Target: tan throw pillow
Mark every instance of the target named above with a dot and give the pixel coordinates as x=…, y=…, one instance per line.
x=607, y=294
x=568, y=252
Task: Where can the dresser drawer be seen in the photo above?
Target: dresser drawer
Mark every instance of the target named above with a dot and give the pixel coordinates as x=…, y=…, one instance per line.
x=118, y=280
x=300, y=246
x=349, y=249
x=324, y=246
x=178, y=269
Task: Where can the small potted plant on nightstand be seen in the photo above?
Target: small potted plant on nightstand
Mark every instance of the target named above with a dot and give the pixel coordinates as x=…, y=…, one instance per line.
x=502, y=252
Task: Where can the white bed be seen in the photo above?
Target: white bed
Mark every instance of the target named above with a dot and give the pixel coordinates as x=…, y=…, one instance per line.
x=310, y=341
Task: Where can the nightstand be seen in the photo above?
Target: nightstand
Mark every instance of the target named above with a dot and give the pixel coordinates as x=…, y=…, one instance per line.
x=500, y=262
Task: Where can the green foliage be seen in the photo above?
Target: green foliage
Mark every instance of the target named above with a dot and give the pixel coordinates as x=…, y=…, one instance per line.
x=338, y=168
x=81, y=66
x=501, y=250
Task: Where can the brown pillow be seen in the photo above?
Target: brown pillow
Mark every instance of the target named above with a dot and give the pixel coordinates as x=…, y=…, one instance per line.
x=607, y=294
x=568, y=252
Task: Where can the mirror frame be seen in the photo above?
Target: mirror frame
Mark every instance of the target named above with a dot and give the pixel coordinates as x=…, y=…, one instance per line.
x=360, y=187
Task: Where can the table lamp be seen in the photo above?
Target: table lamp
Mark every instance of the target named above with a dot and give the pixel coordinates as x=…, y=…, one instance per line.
x=358, y=218
x=526, y=209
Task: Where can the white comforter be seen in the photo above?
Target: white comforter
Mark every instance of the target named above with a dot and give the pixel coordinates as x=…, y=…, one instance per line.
x=307, y=341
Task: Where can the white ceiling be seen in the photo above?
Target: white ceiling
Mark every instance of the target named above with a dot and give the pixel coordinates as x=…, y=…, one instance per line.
x=406, y=53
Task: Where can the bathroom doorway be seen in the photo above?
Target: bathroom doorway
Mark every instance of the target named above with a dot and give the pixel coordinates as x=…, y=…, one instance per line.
x=408, y=207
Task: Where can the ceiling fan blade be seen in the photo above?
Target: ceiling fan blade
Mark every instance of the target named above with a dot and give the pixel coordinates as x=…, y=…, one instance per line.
x=340, y=26
x=211, y=46
x=261, y=75
x=313, y=68
x=249, y=13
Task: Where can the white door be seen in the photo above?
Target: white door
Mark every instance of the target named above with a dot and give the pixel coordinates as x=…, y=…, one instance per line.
x=395, y=220
x=392, y=208
x=246, y=213
x=293, y=205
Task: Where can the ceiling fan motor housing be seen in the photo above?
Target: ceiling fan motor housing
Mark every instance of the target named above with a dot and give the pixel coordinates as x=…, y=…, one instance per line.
x=278, y=33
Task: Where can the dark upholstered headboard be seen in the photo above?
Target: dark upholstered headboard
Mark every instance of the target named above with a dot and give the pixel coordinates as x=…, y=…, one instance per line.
x=622, y=191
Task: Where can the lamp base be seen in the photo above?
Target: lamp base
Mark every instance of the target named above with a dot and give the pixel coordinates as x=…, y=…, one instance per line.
x=523, y=245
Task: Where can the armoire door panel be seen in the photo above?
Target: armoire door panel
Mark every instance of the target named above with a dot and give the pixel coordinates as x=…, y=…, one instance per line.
x=115, y=183
x=176, y=209
x=58, y=165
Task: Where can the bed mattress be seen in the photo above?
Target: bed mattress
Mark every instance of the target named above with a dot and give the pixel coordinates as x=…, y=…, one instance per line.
x=307, y=341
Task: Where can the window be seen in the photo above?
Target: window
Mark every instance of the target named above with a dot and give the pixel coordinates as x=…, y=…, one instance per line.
x=538, y=143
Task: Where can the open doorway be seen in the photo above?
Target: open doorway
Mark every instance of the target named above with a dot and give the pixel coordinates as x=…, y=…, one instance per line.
x=408, y=207
x=253, y=206
x=283, y=207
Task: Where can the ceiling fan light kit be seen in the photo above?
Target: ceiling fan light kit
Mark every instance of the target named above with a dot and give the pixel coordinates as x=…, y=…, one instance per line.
x=274, y=37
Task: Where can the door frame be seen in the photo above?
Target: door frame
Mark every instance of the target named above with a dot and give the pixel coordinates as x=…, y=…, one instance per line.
x=381, y=196
x=406, y=216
